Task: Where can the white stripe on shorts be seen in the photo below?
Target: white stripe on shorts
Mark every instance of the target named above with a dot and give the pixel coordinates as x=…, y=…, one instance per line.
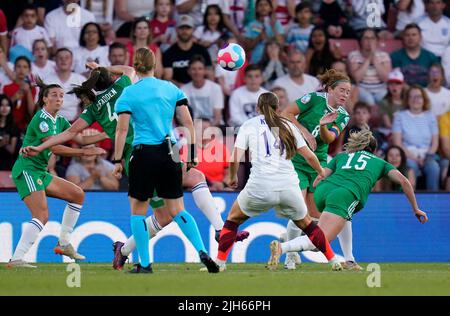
x=30, y=182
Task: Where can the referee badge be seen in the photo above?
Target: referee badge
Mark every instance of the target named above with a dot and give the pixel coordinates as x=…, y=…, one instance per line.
x=43, y=126
x=39, y=181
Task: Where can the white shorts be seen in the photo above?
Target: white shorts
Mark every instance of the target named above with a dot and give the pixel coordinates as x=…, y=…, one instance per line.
x=288, y=203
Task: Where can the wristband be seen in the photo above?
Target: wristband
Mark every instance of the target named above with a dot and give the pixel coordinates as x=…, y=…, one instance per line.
x=192, y=153
x=116, y=161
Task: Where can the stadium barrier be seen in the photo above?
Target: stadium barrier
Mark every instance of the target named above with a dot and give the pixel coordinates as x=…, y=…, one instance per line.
x=385, y=231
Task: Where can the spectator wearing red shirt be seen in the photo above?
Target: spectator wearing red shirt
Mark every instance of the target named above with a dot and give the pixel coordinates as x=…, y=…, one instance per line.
x=21, y=93
x=162, y=25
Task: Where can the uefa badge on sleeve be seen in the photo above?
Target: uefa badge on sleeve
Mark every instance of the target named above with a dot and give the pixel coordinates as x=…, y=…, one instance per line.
x=43, y=126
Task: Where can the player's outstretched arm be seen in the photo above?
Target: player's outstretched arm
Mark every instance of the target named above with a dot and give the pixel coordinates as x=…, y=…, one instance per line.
x=117, y=69
x=62, y=150
x=312, y=160
x=400, y=179
x=290, y=113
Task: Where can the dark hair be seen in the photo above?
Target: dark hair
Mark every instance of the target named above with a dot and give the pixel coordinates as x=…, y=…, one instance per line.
x=29, y=7
x=256, y=5
x=368, y=29
x=267, y=104
x=252, y=67
x=44, y=90
x=22, y=58
x=221, y=25
x=412, y=26
x=39, y=40
x=134, y=26
x=323, y=59
x=9, y=118
x=403, y=167
x=265, y=58
x=303, y=5
x=116, y=45
x=101, y=38
x=361, y=105
x=99, y=79
x=63, y=49
x=197, y=58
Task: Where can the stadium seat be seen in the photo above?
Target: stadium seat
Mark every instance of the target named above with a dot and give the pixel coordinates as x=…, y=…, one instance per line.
x=345, y=46
x=6, y=181
x=390, y=46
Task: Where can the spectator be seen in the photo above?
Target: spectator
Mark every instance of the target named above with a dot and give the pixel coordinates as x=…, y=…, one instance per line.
x=284, y=11
x=162, y=26
x=92, y=48
x=444, y=133
x=319, y=55
x=446, y=65
x=408, y=12
x=415, y=130
x=435, y=27
x=126, y=11
x=192, y=8
x=396, y=156
x=26, y=34
x=118, y=54
x=62, y=33
x=21, y=93
x=46, y=6
x=341, y=66
x=298, y=35
x=213, y=156
x=8, y=134
x=367, y=13
x=243, y=100
x=439, y=96
x=282, y=98
x=370, y=68
x=205, y=96
x=296, y=82
x=6, y=73
x=3, y=32
x=142, y=37
x=260, y=31
x=271, y=63
x=413, y=60
x=393, y=101
x=334, y=21
x=92, y=173
x=208, y=35
x=176, y=58
x=66, y=78
x=103, y=12
x=42, y=66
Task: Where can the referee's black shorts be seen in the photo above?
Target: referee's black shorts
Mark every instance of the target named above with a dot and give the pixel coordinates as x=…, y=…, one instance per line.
x=152, y=168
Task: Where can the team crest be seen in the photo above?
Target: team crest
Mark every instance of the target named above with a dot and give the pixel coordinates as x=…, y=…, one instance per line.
x=39, y=181
x=305, y=99
x=43, y=127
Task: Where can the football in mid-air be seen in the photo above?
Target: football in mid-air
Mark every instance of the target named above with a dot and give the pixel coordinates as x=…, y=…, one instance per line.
x=231, y=57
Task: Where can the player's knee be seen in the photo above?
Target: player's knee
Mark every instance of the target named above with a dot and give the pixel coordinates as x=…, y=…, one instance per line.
x=78, y=196
x=197, y=176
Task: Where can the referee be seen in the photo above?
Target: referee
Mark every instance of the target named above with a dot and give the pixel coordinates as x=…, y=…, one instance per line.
x=151, y=104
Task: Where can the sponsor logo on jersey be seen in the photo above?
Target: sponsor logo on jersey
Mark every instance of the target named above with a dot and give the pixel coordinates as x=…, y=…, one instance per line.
x=43, y=126
x=305, y=99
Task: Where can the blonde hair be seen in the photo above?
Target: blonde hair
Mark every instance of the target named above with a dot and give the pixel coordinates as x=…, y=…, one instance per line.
x=268, y=104
x=331, y=78
x=362, y=140
x=144, y=60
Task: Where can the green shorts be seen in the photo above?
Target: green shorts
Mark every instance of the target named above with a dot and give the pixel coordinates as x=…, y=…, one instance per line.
x=336, y=200
x=306, y=176
x=29, y=181
x=155, y=201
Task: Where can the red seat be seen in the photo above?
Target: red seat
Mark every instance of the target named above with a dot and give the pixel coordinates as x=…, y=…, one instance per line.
x=345, y=46
x=6, y=181
x=390, y=46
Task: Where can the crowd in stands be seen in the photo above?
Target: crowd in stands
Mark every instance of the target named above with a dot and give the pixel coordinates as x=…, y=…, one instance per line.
x=397, y=53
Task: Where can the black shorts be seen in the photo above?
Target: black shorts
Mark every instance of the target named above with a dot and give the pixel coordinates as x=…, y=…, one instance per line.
x=152, y=168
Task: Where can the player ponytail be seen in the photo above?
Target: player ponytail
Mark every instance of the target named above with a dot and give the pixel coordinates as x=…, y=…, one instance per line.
x=362, y=140
x=331, y=78
x=44, y=90
x=267, y=105
x=99, y=79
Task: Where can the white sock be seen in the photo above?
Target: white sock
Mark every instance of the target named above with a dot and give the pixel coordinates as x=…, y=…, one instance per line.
x=153, y=226
x=346, y=241
x=205, y=202
x=29, y=235
x=301, y=243
x=69, y=220
x=292, y=231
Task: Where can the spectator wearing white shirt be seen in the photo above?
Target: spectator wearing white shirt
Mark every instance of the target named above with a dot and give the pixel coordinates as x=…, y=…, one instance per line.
x=92, y=48
x=63, y=26
x=243, y=100
x=435, y=27
x=296, y=82
x=66, y=79
x=26, y=34
x=126, y=11
x=103, y=11
x=42, y=66
x=446, y=65
x=409, y=11
x=438, y=95
x=6, y=70
x=205, y=96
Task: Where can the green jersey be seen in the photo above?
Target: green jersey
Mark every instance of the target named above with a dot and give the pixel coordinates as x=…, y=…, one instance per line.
x=357, y=172
x=42, y=125
x=313, y=106
x=103, y=109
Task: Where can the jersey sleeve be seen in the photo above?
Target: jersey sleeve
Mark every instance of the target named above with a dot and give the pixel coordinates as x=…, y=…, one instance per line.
x=242, y=138
x=332, y=164
x=87, y=115
x=123, y=104
x=42, y=128
x=341, y=122
x=387, y=167
x=181, y=98
x=65, y=124
x=123, y=82
x=305, y=102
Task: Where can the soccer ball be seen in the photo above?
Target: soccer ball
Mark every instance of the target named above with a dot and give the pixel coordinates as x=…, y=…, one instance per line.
x=231, y=57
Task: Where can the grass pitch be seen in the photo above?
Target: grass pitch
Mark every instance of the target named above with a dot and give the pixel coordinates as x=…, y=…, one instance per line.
x=239, y=279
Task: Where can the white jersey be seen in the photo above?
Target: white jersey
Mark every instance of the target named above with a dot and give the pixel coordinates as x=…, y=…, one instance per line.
x=270, y=170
